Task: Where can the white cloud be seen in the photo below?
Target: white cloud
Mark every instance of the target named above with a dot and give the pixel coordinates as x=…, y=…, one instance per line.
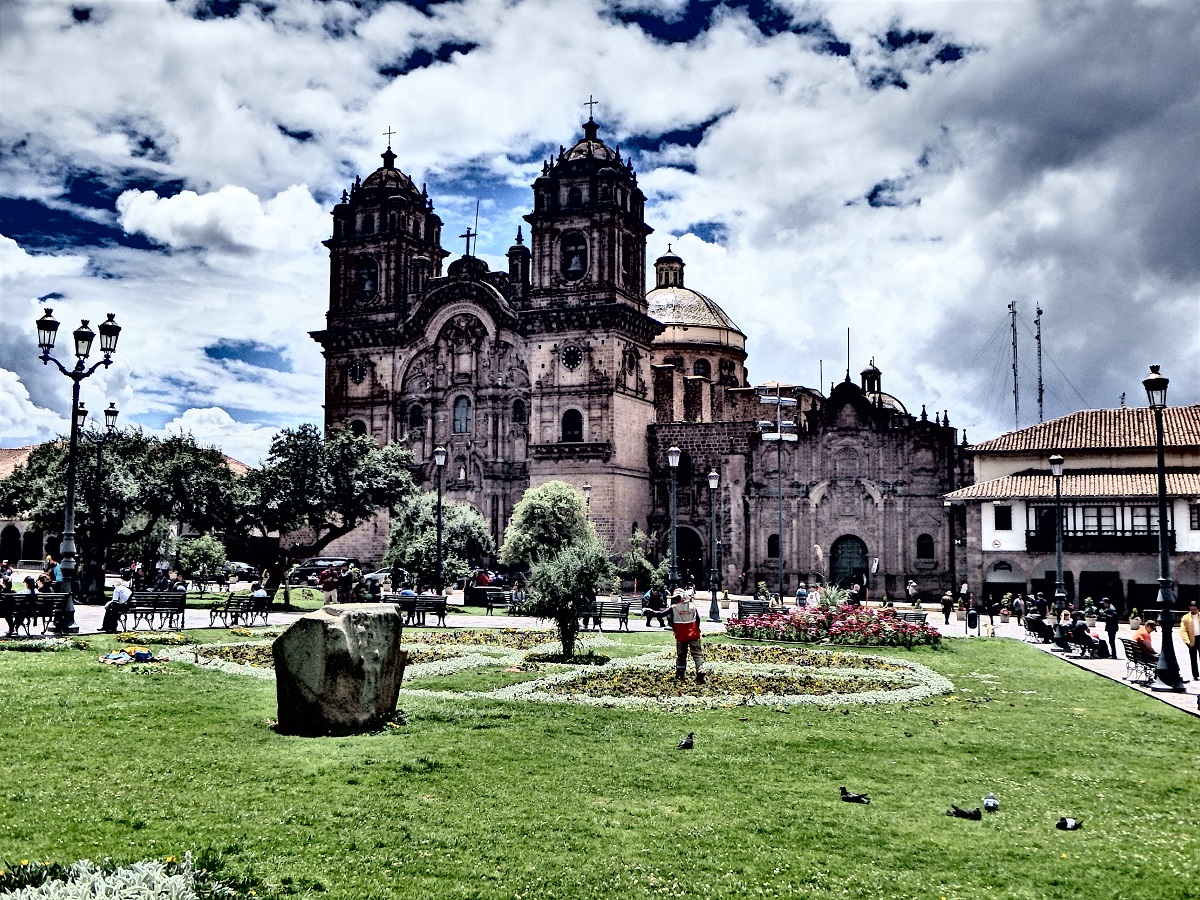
x=21, y=421
x=214, y=427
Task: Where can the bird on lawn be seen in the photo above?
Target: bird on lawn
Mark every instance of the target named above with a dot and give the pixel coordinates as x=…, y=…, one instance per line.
x=960, y=813
x=688, y=742
x=1066, y=823
x=851, y=797
x=990, y=803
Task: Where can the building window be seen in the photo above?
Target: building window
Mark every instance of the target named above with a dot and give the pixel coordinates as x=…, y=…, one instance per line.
x=702, y=368
x=772, y=546
x=368, y=224
x=574, y=198
x=572, y=426
x=1144, y=519
x=1003, y=517
x=1097, y=519
x=1194, y=517
x=416, y=417
x=924, y=546
x=358, y=428
x=574, y=260
x=518, y=412
x=462, y=415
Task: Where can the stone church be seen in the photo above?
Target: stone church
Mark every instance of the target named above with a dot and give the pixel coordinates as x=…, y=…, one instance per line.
x=565, y=367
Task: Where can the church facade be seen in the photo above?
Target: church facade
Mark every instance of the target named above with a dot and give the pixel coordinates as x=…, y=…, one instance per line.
x=565, y=367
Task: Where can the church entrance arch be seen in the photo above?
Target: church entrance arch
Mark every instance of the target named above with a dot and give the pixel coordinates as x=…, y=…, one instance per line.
x=689, y=554
x=847, y=561
x=10, y=544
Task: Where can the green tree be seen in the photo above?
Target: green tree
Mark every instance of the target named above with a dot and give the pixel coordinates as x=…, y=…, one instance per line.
x=201, y=556
x=412, y=542
x=551, y=534
x=637, y=565
x=327, y=486
x=145, y=485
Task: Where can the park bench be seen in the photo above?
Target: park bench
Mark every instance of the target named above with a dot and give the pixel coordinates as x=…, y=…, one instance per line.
x=1140, y=663
x=1036, y=629
x=608, y=609
x=239, y=610
x=915, y=618
x=496, y=598
x=27, y=610
x=756, y=608
x=156, y=609
x=416, y=609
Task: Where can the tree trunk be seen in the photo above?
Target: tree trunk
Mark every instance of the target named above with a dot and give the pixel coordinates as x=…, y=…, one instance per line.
x=568, y=631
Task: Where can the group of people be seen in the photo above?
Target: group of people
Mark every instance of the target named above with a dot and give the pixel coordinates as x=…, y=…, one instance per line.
x=341, y=584
x=10, y=608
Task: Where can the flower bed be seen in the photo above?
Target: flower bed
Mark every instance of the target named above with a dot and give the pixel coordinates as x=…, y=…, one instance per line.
x=851, y=625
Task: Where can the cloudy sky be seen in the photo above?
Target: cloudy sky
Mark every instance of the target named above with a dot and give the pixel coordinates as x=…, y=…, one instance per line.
x=901, y=170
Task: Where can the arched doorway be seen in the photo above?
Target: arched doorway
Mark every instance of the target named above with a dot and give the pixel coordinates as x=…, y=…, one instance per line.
x=10, y=544
x=689, y=553
x=847, y=561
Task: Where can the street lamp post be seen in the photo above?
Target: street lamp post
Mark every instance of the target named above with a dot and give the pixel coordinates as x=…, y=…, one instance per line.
x=673, y=574
x=785, y=430
x=587, y=499
x=99, y=439
x=83, y=336
x=1166, y=673
x=439, y=463
x=1060, y=590
x=714, y=609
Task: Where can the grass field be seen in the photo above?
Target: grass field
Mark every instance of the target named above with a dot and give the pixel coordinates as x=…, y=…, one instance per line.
x=477, y=798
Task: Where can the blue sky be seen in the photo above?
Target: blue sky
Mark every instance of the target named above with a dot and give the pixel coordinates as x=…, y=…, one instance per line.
x=904, y=170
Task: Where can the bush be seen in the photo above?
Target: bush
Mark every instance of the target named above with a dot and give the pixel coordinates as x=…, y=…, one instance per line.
x=835, y=625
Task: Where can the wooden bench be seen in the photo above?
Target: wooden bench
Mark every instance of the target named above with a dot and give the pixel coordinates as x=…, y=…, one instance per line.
x=239, y=610
x=158, y=610
x=496, y=598
x=1037, y=629
x=609, y=609
x=913, y=617
x=1140, y=663
x=756, y=608
x=27, y=610
x=416, y=609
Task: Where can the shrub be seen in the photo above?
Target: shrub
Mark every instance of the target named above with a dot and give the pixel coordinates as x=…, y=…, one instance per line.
x=835, y=625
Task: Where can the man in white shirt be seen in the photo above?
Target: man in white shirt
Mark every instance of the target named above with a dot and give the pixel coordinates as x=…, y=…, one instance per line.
x=116, y=607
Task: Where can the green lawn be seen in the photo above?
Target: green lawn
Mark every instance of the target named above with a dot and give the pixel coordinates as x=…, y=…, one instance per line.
x=488, y=799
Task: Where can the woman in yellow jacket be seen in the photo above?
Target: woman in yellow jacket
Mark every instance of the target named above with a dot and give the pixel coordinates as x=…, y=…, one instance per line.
x=1189, y=629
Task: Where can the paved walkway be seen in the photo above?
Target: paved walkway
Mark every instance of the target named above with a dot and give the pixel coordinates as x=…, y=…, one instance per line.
x=88, y=618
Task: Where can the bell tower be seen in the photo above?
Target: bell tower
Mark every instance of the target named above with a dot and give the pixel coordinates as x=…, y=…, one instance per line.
x=386, y=246
x=585, y=318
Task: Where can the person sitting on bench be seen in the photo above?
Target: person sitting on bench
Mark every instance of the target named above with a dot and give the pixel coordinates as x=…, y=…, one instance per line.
x=1141, y=637
x=116, y=607
x=1082, y=636
x=1037, y=626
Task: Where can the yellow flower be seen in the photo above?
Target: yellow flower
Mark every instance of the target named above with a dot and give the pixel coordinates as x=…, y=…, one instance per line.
x=1064, y=856
x=24, y=862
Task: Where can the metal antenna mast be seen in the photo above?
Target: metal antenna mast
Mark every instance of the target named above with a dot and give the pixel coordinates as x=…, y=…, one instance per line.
x=1038, y=320
x=1012, y=309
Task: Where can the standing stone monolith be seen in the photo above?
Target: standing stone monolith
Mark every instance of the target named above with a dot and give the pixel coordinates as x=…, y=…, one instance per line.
x=338, y=670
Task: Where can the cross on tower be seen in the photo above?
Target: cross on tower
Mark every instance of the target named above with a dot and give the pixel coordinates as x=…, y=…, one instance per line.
x=389, y=134
x=591, y=103
x=470, y=234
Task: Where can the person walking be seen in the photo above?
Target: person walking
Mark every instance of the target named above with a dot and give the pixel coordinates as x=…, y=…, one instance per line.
x=1018, y=608
x=1111, y=624
x=327, y=581
x=685, y=622
x=947, y=605
x=1189, y=629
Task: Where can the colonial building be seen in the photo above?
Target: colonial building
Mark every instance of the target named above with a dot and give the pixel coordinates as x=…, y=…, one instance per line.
x=563, y=367
x=1109, y=506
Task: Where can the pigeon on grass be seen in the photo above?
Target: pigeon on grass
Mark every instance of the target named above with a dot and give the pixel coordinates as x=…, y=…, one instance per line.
x=1066, y=823
x=851, y=797
x=688, y=742
x=990, y=803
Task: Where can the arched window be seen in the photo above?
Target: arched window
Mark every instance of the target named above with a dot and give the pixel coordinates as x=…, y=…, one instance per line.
x=572, y=426
x=358, y=428
x=924, y=546
x=368, y=224
x=574, y=198
x=574, y=260
x=518, y=412
x=772, y=546
x=462, y=415
x=702, y=368
x=416, y=417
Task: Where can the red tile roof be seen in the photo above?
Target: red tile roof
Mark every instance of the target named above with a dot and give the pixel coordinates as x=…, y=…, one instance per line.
x=1125, y=428
x=1099, y=484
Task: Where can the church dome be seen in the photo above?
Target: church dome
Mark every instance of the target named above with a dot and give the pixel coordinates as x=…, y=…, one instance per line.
x=591, y=147
x=388, y=177
x=677, y=305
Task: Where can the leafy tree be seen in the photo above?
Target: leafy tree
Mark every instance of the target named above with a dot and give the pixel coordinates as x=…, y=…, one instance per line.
x=636, y=563
x=146, y=484
x=327, y=486
x=550, y=533
x=412, y=543
x=201, y=556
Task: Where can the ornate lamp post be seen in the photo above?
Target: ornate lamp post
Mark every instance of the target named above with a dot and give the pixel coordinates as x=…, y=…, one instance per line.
x=83, y=336
x=99, y=439
x=714, y=609
x=673, y=575
x=439, y=463
x=1060, y=590
x=1166, y=674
